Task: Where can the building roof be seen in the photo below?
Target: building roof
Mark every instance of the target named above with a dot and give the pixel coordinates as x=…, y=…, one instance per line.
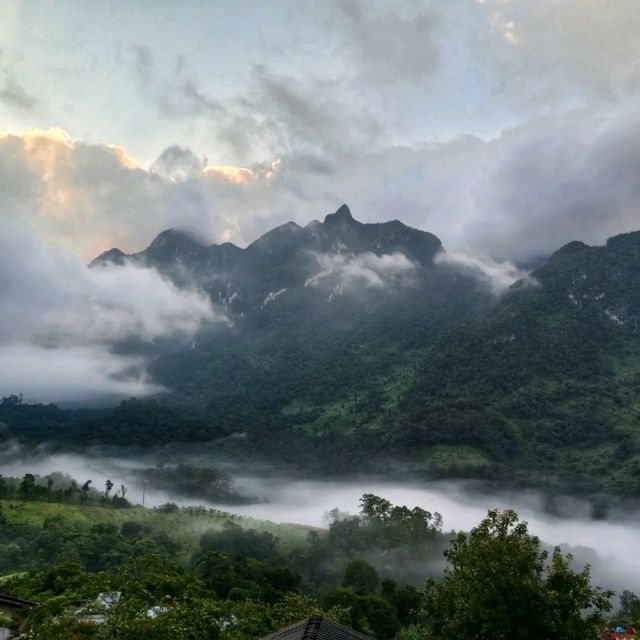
x=18, y=603
x=317, y=628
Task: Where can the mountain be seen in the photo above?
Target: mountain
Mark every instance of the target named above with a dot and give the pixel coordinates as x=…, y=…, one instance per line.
x=547, y=382
x=285, y=257
x=319, y=315
x=351, y=342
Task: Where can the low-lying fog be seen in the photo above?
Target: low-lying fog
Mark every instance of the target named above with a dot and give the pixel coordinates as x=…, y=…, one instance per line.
x=612, y=546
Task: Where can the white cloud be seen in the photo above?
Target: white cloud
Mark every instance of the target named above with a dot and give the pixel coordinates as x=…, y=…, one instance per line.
x=71, y=373
x=385, y=44
x=61, y=321
x=523, y=194
x=498, y=276
x=350, y=271
x=575, y=52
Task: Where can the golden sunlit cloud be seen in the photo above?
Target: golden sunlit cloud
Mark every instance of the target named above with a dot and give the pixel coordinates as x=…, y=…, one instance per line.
x=33, y=139
x=55, y=134
x=237, y=175
x=125, y=159
x=243, y=175
x=84, y=196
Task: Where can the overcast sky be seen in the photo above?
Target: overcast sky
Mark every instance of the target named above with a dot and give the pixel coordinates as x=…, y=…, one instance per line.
x=506, y=127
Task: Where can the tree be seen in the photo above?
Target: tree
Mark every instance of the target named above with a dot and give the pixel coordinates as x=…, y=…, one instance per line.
x=629, y=612
x=496, y=586
x=369, y=614
x=84, y=496
x=361, y=577
x=28, y=488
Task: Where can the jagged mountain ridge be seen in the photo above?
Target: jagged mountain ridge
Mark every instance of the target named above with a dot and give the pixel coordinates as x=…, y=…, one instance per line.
x=315, y=310
x=286, y=256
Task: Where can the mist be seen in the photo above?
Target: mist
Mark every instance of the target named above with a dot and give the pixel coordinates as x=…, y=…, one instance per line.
x=609, y=545
x=62, y=321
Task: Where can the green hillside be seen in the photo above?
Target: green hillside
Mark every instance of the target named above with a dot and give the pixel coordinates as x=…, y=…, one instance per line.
x=430, y=373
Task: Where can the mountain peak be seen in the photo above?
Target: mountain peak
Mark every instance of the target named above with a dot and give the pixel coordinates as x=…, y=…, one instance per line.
x=112, y=256
x=571, y=248
x=343, y=214
x=174, y=237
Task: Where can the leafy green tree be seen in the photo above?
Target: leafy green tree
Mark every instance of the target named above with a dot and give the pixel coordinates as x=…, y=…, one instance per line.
x=369, y=614
x=195, y=620
x=28, y=488
x=406, y=600
x=361, y=577
x=235, y=540
x=629, y=611
x=496, y=586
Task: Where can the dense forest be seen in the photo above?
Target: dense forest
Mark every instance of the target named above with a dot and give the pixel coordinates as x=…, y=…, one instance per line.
x=433, y=371
x=103, y=569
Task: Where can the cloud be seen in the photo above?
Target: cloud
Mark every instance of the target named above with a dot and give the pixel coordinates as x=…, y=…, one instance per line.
x=521, y=195
x=274, y=114
x=498, y=276
x=12, y=92
x=91, y=197
x=348, y=271
x=15, y=95
x=178, y=163
x=47, y=374
x=282, y=114
x=552, y=181
x=386, y=45
x=143, y=65
x=518, y=196
x=550, y=53
x=62, y=322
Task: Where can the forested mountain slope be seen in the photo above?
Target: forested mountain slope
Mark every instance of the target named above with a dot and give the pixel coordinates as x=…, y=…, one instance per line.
x=355, y=341
x=326, y=322
x=548, y=381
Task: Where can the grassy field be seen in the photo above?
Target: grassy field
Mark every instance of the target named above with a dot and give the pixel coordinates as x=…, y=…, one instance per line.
x=184, y=526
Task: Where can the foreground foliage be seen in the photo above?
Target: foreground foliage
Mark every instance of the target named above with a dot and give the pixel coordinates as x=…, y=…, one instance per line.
x=244, y=583
x=498, y=579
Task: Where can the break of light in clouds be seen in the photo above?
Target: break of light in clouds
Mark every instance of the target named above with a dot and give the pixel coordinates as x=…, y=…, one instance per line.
x=487, y=122
x=505, y=127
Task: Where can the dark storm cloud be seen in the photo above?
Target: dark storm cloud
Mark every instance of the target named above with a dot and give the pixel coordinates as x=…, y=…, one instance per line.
x=554, y=181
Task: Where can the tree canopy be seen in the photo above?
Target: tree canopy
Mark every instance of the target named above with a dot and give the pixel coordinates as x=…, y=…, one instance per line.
x=500, y=582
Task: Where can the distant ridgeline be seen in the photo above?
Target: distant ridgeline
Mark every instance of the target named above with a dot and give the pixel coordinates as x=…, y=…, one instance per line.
x=353, y=340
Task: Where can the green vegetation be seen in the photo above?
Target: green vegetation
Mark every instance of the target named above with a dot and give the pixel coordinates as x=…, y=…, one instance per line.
x=498, y=583
x=189, y=481
x=537, y=388
x=102, y=573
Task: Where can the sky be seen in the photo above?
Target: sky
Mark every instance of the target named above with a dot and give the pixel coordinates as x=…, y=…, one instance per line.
x=505, y=127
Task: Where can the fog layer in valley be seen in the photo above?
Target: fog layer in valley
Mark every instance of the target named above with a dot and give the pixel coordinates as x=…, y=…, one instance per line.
x=609, y=545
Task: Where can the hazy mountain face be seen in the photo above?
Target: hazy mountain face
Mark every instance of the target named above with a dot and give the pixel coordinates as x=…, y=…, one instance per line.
x=328, y=304
x=340, y=254
x=369, y=340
